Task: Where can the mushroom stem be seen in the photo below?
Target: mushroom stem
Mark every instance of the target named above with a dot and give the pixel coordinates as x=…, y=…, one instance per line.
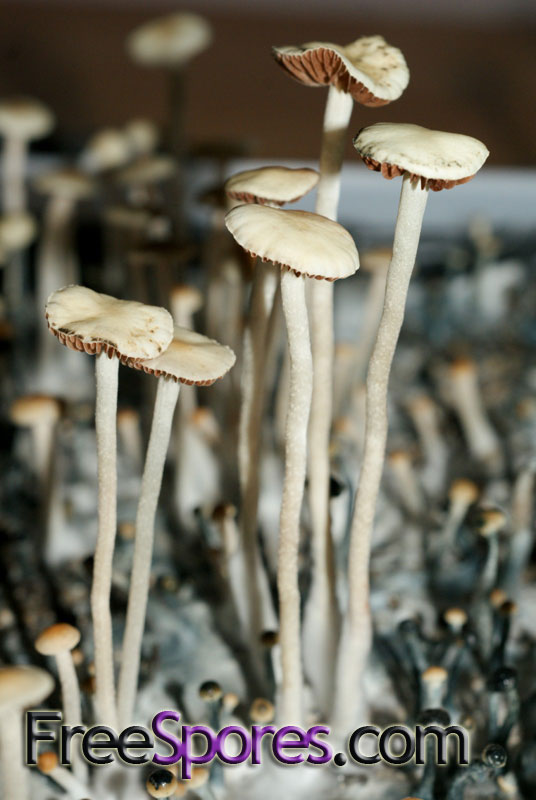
x=522, y=537
x=106, y=372
x=265, y=281
x=14, y=773
x=72, y=708
x=321, y=621
x=371, y=319
x=13, y=164
x=301, y=367
x=357, y=632
x=166, y=399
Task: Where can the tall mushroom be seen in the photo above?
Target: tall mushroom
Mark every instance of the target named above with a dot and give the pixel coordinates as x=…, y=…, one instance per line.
x=271, y=186
x=106, y=327
x=304, y=245
x=20, y=688
x=427, y=160
x=373, y=73
x=192, y=359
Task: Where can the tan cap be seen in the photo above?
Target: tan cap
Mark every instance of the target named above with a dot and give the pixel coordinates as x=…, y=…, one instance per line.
x=93, y=322
x=262, y=711
x=108, y=149
x=272, y=185
x=463, y=490
x=47, y=762
x=435, y=675
x=67, y=182
x=22, y=687
x=147, y=170
x=169, y=41
x=491, y=521
x=455, y=617
x=305, y=243
x=25, y=118
x=190, y=358
x=58, y=638
x=369, y=69
x=439, y=160
x=17, y=231
x=34, y=409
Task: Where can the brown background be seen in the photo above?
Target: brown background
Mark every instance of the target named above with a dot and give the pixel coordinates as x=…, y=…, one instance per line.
x=471, y=75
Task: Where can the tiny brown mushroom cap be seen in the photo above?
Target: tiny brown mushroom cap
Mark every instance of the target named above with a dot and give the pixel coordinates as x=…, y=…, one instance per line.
x=190, y=358
x=47, y=762
x=463, y=490
x=272, y=185
x=25, y=118
x=305, y=243
x=86, y=320
x=169, y=41
x=491, y=521
x=22, y=687
x=34, y=409
x=439, y=160
x=372, y=71
x=455, y=617
x=435, y=676
x=57, y=638
x=262, y=711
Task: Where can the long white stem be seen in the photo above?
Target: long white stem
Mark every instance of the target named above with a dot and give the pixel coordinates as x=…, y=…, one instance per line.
x=301, y=367
x=72, y=708
x=357, y=631
x=106, y=372
x=371, y=319
x=321, y=619
x=14, y=773
x=166, y=399
x=481, y=438
x=13, y=168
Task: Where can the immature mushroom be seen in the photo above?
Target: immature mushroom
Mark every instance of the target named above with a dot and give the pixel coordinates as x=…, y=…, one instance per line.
x=424, y=416
x=20, y=688
x=106, y=327
x=491, y=521
x=271, y=186
x=192, y=359
x=106, y=150
x=161, y=783
x=426, y=159
x=142, y=135
x=22, y=119
x=40, y=413
x=304, y=245
x=433, y=686
x=407, y=485
x=372, y=73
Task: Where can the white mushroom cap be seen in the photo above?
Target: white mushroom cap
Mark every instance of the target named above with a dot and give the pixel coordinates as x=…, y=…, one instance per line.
x=17, y=231
x=25, y=118
x=86, y=320
x=67, y=182
x=441, y=160
x=305, y=243
x=107, y=149
x=35, y=409
x=22, y=687
x=190, y=358
x=369, y=69
x=169, y=41
x=146, y=170
x=142, y=135
x=275, y=185
x=57, y=639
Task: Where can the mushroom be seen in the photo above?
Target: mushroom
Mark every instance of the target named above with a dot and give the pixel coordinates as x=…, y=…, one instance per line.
x=408, y=488
x=271, y=186
x=106, y=327
x=20, y=688
x=60, y=640
x=106, y=150
x=424, y=416
x=17, y=231
x=304, y=245
x=372, y=73
x=192, y=359
x=141, y=177
x=161, y=783
x=142, y=136
x=40, y=413
x=433, y=687
x=427, y=160
x=73, y=786
x=22, y=119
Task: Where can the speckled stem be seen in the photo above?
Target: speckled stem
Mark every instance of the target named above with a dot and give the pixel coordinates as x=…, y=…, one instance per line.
x=106, y=371
x=166, y=399
x=290, y=709
x=357, y=631
x=321, y=618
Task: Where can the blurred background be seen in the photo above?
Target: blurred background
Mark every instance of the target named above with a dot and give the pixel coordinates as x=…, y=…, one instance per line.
x=472, y=63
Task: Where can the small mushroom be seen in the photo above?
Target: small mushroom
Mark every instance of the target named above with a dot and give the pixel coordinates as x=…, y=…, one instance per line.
x=142, y=136
x=304, y=245
x=192, y=359
x=107, y=150
x=73, y=786
x=108, y=328
x=20, y=688
x=161, y=783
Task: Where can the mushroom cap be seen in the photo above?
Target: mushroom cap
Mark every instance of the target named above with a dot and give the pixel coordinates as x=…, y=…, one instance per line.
x=440, y=160
x=23, y=686
x=108, y=149
x=25, y=118
x=262, y=711
x=275, y=185
x=146, y=170
x=189, y=298
x=17, y=231
x=47, y=762
x=142, y=135
x=161, y=783
x=435, y=675
x=456, y=617
x=35, y=409
x=306, y=243
x=463, y=490
x=372, y=71
x=498, y=597
x=86, y=320
x=66, y=182
x=57, y=639
x=169, y=41
x=190, y=358
x=491, y=521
